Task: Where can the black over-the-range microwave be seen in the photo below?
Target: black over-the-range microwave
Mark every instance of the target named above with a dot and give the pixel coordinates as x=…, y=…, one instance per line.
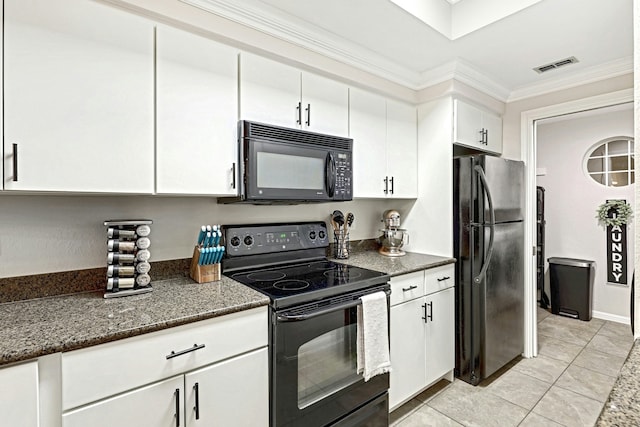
x=283, y=165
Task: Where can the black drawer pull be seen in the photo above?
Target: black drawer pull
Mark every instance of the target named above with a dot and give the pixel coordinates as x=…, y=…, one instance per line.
x=196, y=388
x=441, y=279
x=181, y=352
x=177, y=395
x=410, y=288
x=15, y=163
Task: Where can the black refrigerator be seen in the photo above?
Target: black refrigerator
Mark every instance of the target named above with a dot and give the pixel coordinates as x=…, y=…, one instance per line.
x=488, y=245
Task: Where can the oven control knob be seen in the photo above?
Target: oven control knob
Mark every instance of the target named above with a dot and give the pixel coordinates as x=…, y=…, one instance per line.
x=312, y=235
x=248, y=240
x=322, y=234
x=235, y=241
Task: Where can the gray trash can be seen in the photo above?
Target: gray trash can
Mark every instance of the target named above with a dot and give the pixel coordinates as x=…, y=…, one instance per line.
x=571, y=283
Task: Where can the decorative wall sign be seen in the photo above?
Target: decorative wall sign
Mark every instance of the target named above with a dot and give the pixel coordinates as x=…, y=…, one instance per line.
x=615, y=215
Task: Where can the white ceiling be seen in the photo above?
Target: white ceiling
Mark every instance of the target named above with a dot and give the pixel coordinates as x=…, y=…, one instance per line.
x=383, y=38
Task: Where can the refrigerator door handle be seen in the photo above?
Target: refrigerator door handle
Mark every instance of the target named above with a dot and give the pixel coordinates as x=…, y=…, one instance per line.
x=485, y=187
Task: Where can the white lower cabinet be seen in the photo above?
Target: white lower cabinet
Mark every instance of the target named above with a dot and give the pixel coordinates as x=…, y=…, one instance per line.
x=151, y=380
x=422, y=332
x=19, y=403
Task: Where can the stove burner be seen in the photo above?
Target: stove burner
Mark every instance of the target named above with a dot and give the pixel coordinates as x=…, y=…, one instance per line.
x=343, y=274
x=291, y=285
x=266, y=276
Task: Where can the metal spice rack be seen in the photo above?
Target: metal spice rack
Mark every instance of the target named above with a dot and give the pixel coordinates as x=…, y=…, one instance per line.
x=128, y=257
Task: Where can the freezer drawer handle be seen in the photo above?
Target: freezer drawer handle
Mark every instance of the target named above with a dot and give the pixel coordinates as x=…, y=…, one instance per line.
x=442, y=279
x=491, y=223
x=185, y=351
x=410, y=288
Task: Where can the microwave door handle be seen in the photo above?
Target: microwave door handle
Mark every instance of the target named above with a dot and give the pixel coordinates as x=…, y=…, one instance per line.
x=330, y=178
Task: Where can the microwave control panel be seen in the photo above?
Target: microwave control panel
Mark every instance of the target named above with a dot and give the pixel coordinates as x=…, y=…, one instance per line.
x=344, y=176
x=272, y=238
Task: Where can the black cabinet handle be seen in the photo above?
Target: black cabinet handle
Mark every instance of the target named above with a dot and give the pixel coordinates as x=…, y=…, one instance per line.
x=177, y=395
x=386, y=185
x=391, y=185
x=308, y=110
x=481, y=132
x=424, y=307
x=15, y=162
x=299, y=111
x=430, y=315
x=233, y=173
x=185, y=351
x=197, y=407
x=410, y=288
x=441, y=279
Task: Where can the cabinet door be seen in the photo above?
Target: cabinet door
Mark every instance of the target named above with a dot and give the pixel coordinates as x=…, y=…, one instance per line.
x=231, y=393
x=197, y=114
x=325, y=105
x=402, y=150
x=368, y=130
x=440, y=334
x=19, y=395
x=408, y=351
x=78, y=97
x=155, y=405
x=467, y=125
x=492, y=124
x=269, y=92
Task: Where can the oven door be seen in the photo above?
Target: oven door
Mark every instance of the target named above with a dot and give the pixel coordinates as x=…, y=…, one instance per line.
x=313, y=377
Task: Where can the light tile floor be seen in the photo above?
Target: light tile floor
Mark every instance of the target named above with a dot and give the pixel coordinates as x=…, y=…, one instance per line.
x=566, y=385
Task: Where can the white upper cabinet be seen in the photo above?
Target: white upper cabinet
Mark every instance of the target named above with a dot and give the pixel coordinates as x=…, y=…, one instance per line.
x=476, y=128
x=384, y=136
x=78, y=98
x=402, y=150
x=197, y=113
x=277, y=94
x=368, y=130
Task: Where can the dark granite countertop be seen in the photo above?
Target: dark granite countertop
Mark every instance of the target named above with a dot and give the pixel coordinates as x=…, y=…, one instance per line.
x=36, y=327
x=395, y=266
x=623, y=405
x=41, y=326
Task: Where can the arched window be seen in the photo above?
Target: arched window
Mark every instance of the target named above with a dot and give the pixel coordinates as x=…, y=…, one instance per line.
x=611, y=162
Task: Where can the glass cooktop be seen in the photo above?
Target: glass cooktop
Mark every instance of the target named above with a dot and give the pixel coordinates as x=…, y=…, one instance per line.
x=297, y=283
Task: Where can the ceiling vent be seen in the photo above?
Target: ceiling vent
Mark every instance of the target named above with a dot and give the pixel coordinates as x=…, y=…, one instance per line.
x=557, y=64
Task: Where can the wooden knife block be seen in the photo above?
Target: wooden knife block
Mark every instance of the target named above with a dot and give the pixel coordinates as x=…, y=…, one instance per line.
x=203, y=273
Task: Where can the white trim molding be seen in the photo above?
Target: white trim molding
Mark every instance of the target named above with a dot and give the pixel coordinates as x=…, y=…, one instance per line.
x=612, y=318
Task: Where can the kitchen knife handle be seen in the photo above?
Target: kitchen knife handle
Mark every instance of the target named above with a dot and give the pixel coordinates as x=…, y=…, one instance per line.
x=177, y=395
x=185, y=351
x=196, y=388
x=308, y=110
x=233, y=175
x=15, y=162
x=299, y=112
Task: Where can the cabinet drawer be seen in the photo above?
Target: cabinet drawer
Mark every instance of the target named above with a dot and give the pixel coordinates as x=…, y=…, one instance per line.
x=407, y=287
x=437, y=279
x=104, y=370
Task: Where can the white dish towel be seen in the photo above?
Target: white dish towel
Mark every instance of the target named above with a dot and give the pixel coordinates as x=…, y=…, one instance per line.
x=373, y=336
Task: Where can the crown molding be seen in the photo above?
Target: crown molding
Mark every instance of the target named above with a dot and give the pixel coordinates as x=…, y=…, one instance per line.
x=295, y=31
x=278, y=24
x=588, y=75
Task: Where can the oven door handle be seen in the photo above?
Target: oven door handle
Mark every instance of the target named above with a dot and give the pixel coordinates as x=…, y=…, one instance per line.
x=310, y=315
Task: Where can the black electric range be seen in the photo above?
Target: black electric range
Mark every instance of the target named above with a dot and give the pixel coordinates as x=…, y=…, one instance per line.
x=287, y=262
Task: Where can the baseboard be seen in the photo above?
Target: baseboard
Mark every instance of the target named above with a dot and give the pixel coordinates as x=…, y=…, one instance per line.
x=611, y=317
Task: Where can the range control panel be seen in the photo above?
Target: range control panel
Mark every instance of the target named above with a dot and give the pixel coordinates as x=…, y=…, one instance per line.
x=272, y=238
